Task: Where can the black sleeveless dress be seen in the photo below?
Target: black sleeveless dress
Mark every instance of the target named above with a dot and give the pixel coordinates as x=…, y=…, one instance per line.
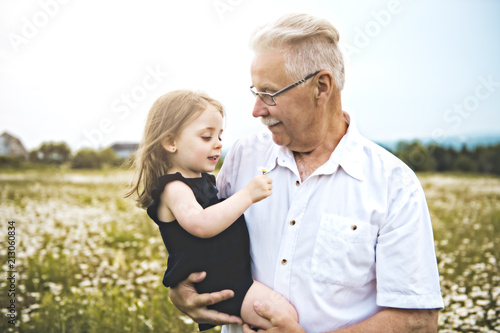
x=225, y=257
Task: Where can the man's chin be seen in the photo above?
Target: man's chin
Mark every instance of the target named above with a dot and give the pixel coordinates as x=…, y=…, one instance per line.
x=278, y=137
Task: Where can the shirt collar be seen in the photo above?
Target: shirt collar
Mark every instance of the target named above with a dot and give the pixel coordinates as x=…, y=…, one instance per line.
x=347, y=154
x=279, y=156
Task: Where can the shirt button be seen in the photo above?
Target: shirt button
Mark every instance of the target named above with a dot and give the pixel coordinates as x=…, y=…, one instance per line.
x=283, y=262
x=297, y=183
x=354, y=227
x=292, y=222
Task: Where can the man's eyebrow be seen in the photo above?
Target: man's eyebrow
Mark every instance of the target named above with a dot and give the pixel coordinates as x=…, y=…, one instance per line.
x=265, y=88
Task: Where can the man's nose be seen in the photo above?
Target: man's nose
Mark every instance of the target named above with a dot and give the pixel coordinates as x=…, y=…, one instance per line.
x=260, y=108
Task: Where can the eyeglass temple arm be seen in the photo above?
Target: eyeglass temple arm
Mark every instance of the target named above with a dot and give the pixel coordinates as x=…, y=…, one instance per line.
x=295, y=84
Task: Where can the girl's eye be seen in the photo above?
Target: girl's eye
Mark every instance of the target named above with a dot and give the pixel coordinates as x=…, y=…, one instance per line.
x=206, y=138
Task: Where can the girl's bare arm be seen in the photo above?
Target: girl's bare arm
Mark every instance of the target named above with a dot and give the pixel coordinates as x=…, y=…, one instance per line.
x=179, y=201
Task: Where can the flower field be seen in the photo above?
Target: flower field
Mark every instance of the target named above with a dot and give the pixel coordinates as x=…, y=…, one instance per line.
x=465, y=212
x=86, y=260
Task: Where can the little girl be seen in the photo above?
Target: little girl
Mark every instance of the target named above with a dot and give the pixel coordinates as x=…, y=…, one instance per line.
x=181, y=144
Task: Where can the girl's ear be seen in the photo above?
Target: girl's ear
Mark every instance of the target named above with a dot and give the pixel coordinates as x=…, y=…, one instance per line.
x=169, y=144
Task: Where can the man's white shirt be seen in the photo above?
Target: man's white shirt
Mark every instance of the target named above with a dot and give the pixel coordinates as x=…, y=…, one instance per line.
x=355, y=236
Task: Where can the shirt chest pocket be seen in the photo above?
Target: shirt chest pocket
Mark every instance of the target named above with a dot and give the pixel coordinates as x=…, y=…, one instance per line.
x=344, y=251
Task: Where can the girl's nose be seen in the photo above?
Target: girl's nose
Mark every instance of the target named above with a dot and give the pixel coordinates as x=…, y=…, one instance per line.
x=218, y=144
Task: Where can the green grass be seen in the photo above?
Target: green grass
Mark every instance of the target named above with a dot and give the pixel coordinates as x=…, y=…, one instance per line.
x=465, y=212
x=90, y=261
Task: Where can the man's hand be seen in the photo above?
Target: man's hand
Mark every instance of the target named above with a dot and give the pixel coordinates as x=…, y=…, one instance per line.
x=281, y=323
x=186, y=298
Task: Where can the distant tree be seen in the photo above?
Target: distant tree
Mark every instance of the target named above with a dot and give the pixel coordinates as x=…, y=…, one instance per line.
x=464, y=163
x=495, y=159
x=484, y=159
x=51, y=153
x=416, y=156
x=108, y=156
x=444, y=157
x=34, y=156
x=402, y=146
x=433, y=157
x=86, y=158
x=488, y=159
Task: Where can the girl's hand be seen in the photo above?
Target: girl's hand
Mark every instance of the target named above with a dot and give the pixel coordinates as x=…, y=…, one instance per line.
x=260, y=188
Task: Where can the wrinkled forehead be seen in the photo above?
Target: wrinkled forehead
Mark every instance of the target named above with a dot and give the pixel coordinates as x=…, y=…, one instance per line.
x=268, y=67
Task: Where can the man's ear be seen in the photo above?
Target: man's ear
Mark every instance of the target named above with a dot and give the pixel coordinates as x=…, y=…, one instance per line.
x=169, y=144
x=324, y=88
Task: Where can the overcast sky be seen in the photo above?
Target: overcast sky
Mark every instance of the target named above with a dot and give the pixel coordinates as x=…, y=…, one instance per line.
x=87, y=72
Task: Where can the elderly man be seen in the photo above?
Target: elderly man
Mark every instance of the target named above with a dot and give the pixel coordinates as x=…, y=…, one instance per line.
x=346, y=236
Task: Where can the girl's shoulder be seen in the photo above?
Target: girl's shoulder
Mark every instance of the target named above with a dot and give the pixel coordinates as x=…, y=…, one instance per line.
x=205, y=179
x=168, y=184
x=203, y=189
x=202, y=186
x=163, y=181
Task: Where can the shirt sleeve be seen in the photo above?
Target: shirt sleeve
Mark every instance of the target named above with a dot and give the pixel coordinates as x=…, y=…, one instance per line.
x=406, y=265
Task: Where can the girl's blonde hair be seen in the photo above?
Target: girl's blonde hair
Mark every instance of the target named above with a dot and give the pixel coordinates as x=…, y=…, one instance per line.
x=168, y=116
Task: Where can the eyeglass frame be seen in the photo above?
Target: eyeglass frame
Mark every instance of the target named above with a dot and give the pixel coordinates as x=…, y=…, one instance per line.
x=257, y=93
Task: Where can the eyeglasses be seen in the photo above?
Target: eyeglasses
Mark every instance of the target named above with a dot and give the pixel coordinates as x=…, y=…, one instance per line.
x=269, y=98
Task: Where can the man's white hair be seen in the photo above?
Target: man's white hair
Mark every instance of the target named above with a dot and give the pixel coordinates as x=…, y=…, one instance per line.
x=308, y=44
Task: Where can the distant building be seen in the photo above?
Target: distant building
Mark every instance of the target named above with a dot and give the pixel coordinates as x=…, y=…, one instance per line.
x=11, y=146
x=124, y=150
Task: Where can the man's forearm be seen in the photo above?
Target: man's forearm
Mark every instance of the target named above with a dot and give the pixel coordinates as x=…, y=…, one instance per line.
x=393, y=320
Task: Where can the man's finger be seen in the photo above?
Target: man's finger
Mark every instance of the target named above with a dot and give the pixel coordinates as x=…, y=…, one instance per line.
x=219, y=318
x=215, y=297
x=264, y=310
x=247, y=329
x=196, y=277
